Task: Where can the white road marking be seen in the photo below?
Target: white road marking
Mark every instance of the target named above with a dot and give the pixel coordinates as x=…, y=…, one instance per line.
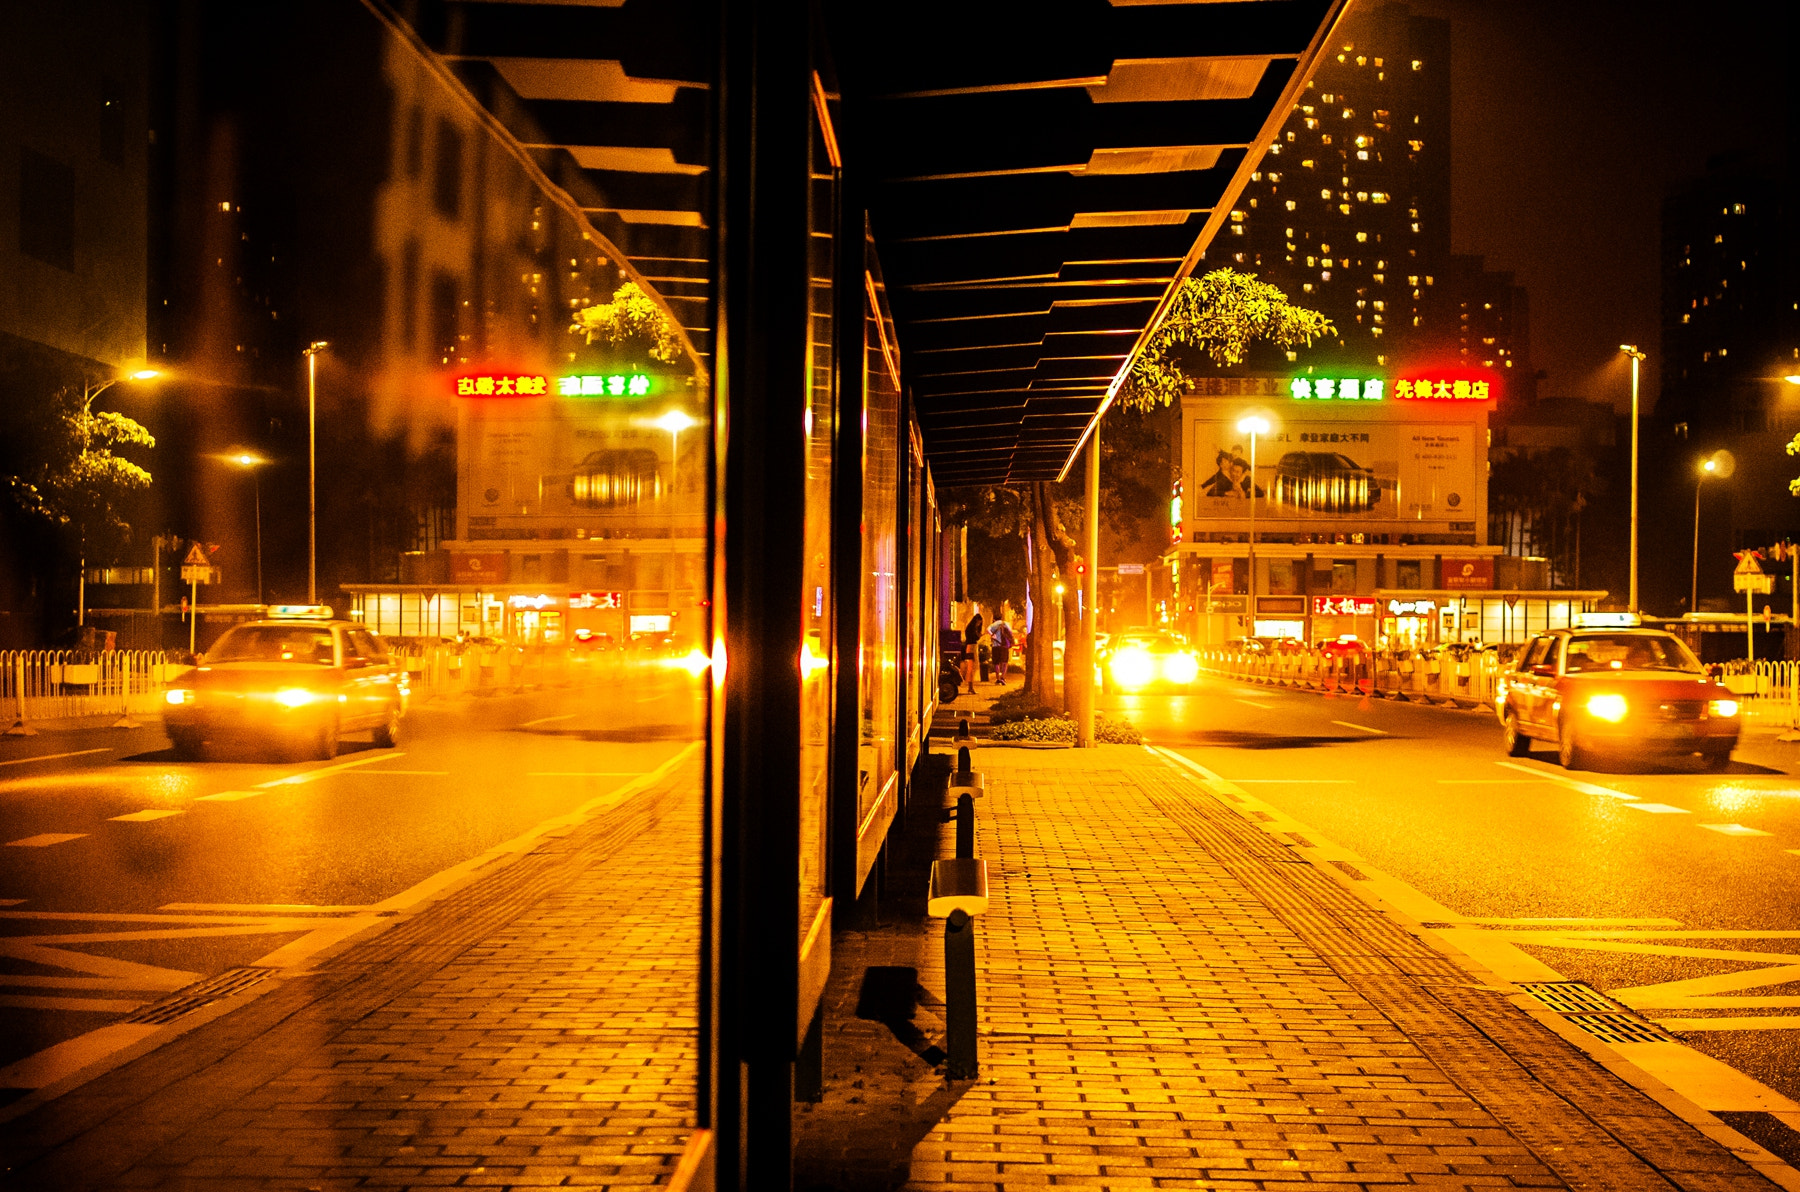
x=584, y=773
x=1489, y=781
x=548, y=720
x=263, y=908
x=1735, y=830
x=1659, y=809
x=1574, y=784
x=45, y=840
x=1362, y=728
x=50, y=757
x=399, y=773
x=92, y=1005
x=140, y=817
x=11, y=901
x=310, y=775
x=228, y=796
x=1293, y=781
x=1254, y=704
x=1763, y=1022
x=1570, y=920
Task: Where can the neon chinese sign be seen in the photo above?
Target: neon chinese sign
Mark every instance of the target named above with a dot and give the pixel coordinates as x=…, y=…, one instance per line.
x=1336, y=389
x=538, y=385
x=596, y=600
x=1442, y=389
x=1343, y=606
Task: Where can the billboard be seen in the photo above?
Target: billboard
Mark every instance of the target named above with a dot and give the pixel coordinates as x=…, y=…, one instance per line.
x=1331, y=469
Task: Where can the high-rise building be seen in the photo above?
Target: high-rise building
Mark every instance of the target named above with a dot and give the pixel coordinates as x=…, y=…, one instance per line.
x=1490, y=324
x=1730, y=329
x=1350, y=211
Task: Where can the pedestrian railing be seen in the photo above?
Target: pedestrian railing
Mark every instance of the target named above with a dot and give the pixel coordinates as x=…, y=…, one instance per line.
x=53, y=684
x=1469, y=680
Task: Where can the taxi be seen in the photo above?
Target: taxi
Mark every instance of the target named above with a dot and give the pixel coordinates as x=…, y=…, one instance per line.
x=296, y=681
x=1145, y=659
x=1614, y=690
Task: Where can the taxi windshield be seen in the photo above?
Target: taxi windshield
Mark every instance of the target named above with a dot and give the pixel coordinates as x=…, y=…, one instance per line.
x=1629, y=652
x=273, y=643
x=1153, y=642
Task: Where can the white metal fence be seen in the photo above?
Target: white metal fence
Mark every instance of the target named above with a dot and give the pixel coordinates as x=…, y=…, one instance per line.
x=52, y=684
x=1441, y=677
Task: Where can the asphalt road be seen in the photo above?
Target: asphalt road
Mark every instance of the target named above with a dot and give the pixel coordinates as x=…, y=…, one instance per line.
x=1669, y=889
x=125, y=875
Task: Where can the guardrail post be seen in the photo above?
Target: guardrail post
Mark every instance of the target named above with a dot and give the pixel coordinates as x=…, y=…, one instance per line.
x=19, y=727
x=965, y=826
x=959, y=997
x=124, y=669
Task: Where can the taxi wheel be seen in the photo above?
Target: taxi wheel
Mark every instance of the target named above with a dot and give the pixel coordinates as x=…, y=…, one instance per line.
x=1517, y=743
x=387, y=733
x=1716, y=759
x=1568, y=750
x=187, y=747
x=325, y=745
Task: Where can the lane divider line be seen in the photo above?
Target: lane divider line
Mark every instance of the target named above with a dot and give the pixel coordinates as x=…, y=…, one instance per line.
x=584, y=773
x=1294, y=781
x=144, y=817
x=1735, y=830
x=1574, y=784
x=50, y=757
x=310, y=775
x=1254, y=704
x=1659, y=809
x=227, y=796
x=548, y=720
x=398, y=774
x=1362, y=728
x=45, y=839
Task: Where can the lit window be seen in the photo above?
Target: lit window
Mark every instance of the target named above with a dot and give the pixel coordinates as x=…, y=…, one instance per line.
x=1290, y=204
x=1737, y=208
x=1311, y=123
x=1718, y=239
x=1418, y=65
x=1307, y=163
x=1348, y=113
x=1344, y=207
x=1324, y=275
x=1312, y=262
x=1325, y=194
x=1307, y=286
x=1361, y=61
x=1686, y=317
x=1362, y=196
x=1325, y=139
x=1362, y=237
x=1378, y=196
x=1290, y=136
x=1362, y=155
x=1380, y=279
x=1237, y=217
x=1237, y=229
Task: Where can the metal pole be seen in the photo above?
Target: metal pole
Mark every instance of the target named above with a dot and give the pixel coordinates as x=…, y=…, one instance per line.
x=1250, y=608
x=256, y=480
x=1694, y=587
x=194, y=612
x=959, y=997
x=312, y=485
x=1090, y=588
x=1635, y=358
x=81, y=593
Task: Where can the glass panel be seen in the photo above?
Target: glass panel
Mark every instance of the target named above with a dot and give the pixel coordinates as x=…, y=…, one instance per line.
x=877, y=657
x=819, y=427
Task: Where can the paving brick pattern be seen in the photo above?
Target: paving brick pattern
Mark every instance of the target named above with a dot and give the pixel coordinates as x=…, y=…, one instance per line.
x=1171, y=998
x=533, y=1029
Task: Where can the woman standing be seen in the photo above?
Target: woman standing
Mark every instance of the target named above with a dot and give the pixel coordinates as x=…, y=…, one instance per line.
x=971, y=647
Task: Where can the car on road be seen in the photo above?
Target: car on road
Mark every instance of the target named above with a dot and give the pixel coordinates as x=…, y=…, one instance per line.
x=295, y=682
x=1147, y=659
x=1615, y=691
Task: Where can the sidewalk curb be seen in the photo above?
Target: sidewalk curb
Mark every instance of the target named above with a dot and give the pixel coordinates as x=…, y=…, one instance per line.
x=1242, y=803
x=334, y=937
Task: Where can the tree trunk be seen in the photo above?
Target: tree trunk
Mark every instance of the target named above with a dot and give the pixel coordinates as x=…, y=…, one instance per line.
x=1040, y=657
x=1047, y=527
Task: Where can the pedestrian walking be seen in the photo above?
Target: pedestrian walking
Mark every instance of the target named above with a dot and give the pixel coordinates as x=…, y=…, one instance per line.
x=971, y=646
x=1001, y=635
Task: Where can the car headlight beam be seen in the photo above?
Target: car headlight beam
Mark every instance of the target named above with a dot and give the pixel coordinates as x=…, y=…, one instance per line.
x=1133, y=668
x=1722, y=707
x=177, y=696
x=294, y=697
x=1181, y=669
x=1608, y=706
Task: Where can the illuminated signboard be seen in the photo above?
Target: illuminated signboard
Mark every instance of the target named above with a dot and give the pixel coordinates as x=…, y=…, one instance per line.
x=650, y=623
x=1411, y=608
x=1422, y=387
x=1343, y=606
x=596, y=600
x=537, y=385
x=532, y=601
x=1336, y=388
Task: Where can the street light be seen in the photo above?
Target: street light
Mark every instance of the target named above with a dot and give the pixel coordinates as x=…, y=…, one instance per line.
x=1252, y=425
x=1637, y=358
x=1719, y=465
x=675, y=421
x=311, y=352
x=250, y=463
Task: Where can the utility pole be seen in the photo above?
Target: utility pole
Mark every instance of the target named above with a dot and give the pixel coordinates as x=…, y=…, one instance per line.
x=1637, y=358
x=311, y=352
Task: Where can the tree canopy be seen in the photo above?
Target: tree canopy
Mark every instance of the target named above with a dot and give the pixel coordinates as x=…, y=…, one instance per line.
x=76, y=482
x=631, y=322
x=1218, y=316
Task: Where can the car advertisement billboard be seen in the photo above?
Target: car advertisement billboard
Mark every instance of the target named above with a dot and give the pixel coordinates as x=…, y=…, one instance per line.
x=1335, y=470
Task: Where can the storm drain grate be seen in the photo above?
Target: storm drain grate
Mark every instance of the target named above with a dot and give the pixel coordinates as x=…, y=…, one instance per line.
x=1594, y=1012
x=199, y=994
x=1570, y=997
x=1619, y=1028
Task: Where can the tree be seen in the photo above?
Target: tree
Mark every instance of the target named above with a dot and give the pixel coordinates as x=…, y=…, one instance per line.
x=74, y=481
x=1217, y=317
x=630, y=324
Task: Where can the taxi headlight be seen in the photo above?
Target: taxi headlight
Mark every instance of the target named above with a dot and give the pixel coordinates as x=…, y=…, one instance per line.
x=1722, y=707
x=1181, y=668
x=1133, y=667
x=294, y=697
x=1607, y=707
x=185, y=695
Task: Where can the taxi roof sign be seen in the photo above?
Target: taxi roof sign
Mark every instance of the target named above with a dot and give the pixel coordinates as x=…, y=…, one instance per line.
x=306, y=612
x=1603, y=620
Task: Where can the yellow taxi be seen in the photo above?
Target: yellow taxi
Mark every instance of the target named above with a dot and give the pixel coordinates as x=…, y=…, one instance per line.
x=1615, y=690
x=296, y=682
x=1145, y=660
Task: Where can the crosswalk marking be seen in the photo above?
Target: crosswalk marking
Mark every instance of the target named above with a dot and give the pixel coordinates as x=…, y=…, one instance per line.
x=1362, y=728
x=45, y=839
x=140, y=817
x=1659, y=809
x=1735, y=830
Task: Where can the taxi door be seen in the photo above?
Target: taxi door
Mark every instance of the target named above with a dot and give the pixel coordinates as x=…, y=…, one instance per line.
x=364, y=681
x=1532, y=693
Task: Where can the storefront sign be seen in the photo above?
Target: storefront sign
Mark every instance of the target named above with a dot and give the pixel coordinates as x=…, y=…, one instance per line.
x=1430, y=388
x=1223, y=578
x=650, y=623
x=537, y=385
x=596, y=600
x=610, y=385
x=1411, y=608
x=482, y=568
x=1343, y=606
x=1422, y=386
x=1281, y=606
x=1131, y=569
x=1227, y=604
x=1336, y=388
x=1468, y=574
x=532, y=601
x=502, y=385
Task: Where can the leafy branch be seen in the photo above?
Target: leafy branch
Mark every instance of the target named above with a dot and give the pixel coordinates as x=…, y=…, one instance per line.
x=631, y=321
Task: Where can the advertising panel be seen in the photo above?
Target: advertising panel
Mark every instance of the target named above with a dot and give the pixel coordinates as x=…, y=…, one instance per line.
x=478, y=567
x=1333, y=470
x=1468, y=574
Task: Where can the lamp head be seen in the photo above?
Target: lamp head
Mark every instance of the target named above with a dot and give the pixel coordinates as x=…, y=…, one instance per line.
x=1710, y=466
x=1792, y=378
x=146, y=374
x=314, y=348
x=675, y=422
x=1253, y=424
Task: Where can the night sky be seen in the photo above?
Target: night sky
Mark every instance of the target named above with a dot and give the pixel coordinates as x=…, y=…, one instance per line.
x=1571, y=120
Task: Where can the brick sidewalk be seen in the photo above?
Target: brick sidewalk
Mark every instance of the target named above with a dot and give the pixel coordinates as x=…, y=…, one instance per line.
x=535, y=1027
x=1170, y=997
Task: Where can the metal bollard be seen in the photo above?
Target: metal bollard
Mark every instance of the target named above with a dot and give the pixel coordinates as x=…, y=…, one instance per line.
x=962, y=730
x=965, y=826
x=962, y=759
x=20, y=728
x=959, y=997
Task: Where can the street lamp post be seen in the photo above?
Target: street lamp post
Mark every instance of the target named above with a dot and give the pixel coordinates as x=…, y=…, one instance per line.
x=675, y=421
x=89, y=393
x=250, y=463
x=311, y=352
x=1637, y=358
x=1707, y=468
x=1252, y=425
